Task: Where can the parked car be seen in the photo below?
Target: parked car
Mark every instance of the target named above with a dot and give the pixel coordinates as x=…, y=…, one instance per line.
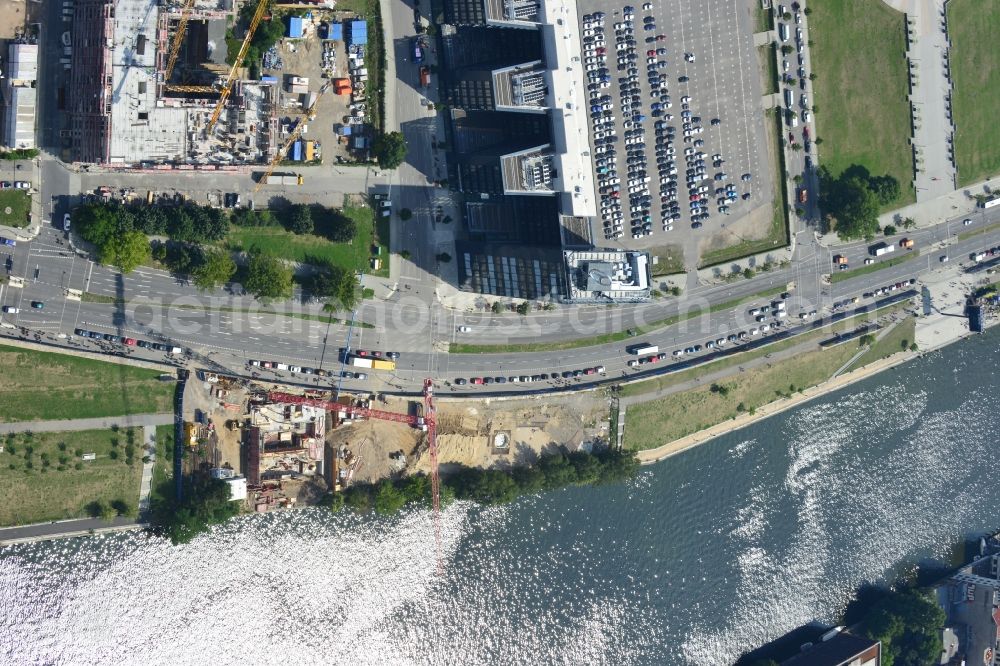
x=10, y=309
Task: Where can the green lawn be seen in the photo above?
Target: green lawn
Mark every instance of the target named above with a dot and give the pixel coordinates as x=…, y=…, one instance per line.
x=14, y=208
x=657, y=422
x=310, y=248
x=840, y=276
x=973, y=26
x=562, y=345
x=162, y=487
x=45, y=385
x=898, y=339
x=669, y=260
x=45, y=484
x=861, y=88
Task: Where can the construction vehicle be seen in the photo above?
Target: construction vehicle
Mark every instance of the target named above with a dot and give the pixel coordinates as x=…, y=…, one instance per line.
x=309, y=114
x=839, y=259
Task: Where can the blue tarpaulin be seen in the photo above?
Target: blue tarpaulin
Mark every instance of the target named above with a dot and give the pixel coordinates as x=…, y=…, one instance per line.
x=336, y=32
x=297, y=151
x=295, y=27
x=359, y=32
x=269, y=79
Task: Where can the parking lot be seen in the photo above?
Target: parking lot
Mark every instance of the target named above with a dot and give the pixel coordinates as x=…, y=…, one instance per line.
x=677, y=120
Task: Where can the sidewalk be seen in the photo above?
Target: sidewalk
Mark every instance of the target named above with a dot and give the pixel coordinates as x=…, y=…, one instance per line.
x=68, y=425
x=64, y=529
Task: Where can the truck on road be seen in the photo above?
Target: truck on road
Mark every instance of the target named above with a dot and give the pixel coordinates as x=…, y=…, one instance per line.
x=282, y=179
x=372, y=363
x=425, y=76
x=803, y=195
x=643, y=349
x=880, y=249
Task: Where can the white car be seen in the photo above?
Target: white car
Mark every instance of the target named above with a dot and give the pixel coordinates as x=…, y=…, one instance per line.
x=464, y=329
x=66, y=222
x=22, y=185
x=10, y=309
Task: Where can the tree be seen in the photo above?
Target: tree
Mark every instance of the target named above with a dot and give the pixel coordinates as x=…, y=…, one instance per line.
x=300, y=220
x=390, y=150
x=909, y=223
x=889, y=230
x=334, y=283
x=244, y=217
x=124, y=508
x=786, y=49
x=496, y=308
x=405, y=214
x=216, y=268
x=444, y=257
x=886, y=188
x=267, y=277
x=388, y=498
x=523, y=308
x=850, y=201
x=125, y=251
x=748, y=273
x=909, y=626
x=336, y=502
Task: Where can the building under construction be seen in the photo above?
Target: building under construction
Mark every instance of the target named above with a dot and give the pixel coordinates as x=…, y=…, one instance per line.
x=127, y=109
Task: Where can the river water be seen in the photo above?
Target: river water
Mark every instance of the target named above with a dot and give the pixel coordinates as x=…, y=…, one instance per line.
x=701, y=557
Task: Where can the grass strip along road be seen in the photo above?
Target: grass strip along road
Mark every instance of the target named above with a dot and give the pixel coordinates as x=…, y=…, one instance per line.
x=973, y=26
x=861, y=89
x=840, y=276
x=460, y=348
x=39, y=384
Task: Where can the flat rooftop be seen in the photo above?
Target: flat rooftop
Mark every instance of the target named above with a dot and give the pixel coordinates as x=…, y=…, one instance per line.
x=529, y=171
x=596, y=275
x=141, y=129
x=521, y=88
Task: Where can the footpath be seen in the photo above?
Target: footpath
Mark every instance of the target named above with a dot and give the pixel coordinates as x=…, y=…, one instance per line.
x=100, y=423
x=64, y=529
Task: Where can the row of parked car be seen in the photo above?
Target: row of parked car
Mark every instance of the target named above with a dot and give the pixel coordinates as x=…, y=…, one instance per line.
x=275, y=365
x=595, y=56
x=882, y=291
x=527, y=379
x=128, y=342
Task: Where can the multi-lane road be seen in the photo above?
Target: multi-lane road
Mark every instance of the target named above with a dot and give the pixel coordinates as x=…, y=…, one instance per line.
x=224, y=329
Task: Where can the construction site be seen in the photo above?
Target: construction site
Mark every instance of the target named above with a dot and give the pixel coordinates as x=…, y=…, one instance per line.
x=206, y=84
x=285, y=449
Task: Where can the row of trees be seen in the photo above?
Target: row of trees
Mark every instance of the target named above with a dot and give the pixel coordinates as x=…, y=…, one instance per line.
x=854, y=198
x=120, y=235
x=301, y=219
x=493, y=486
x=205, y=503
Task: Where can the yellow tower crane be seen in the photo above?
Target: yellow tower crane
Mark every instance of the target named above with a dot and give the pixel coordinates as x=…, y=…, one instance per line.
x=175, y=47
x=308, y=114
x=228, y=85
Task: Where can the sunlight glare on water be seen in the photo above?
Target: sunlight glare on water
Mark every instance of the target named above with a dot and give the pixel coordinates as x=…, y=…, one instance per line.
x=696, y=560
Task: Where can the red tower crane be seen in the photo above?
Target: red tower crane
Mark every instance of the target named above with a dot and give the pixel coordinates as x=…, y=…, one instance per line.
x=430, y=420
